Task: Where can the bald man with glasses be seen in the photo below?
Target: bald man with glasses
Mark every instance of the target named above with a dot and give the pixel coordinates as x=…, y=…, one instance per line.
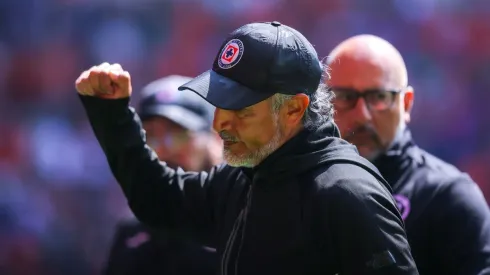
x=446, y=216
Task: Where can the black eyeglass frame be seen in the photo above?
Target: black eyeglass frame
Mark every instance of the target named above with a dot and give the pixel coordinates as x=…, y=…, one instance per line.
x=367, y=95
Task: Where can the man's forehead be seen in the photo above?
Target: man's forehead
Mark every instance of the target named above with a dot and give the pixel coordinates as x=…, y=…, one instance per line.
x=259, y=105
x=358, y=73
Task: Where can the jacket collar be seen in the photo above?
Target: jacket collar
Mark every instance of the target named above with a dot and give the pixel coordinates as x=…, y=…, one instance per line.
x=401, y=155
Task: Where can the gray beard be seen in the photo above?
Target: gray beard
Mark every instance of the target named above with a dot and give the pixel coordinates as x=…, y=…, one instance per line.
x=254, y=158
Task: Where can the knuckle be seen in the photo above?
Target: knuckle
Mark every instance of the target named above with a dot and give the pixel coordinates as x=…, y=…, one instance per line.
x=80, y=81
x=125, y=79
x=94, y=72
x=83, y=76
x=116, y=67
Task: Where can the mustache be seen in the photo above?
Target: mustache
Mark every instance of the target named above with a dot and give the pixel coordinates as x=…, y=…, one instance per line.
x=225, y=136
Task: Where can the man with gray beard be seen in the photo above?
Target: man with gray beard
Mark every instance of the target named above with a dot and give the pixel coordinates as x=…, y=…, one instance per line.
x=293, y=198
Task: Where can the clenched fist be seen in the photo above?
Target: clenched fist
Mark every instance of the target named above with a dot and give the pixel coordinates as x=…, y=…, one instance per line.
x=108, y=81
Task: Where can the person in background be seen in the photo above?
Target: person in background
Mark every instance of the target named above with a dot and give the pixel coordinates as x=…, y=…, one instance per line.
x=178, y=128
x=446, y=216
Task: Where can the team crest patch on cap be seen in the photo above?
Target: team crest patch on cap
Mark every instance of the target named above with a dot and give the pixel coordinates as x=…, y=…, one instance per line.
x=231, y=54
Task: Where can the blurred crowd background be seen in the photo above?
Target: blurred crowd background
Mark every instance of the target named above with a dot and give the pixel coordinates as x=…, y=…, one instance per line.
x=58, y=201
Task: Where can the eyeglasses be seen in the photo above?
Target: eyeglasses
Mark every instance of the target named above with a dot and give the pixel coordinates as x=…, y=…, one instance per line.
x=376, y=99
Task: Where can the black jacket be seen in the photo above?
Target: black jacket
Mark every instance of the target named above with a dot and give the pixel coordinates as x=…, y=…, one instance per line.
x=314, y=206
x=140, y=250
x=446, y=216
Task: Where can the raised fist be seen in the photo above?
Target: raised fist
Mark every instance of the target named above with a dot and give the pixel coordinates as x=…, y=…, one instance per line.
x=108, y=81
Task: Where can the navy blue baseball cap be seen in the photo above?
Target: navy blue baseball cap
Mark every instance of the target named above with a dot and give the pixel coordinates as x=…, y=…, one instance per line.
x=257, y=61
x=161, y=98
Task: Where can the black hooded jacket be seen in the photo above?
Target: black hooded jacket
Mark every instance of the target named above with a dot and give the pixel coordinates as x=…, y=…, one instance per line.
x=314, y=206
x=446, y=216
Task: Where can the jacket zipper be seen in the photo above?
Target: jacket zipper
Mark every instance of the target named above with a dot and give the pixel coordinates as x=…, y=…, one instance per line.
x=242, y=217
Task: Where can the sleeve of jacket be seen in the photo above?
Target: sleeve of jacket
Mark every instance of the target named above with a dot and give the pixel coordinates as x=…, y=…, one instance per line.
x=461, y=222
x=366, y=227
x=159, y=196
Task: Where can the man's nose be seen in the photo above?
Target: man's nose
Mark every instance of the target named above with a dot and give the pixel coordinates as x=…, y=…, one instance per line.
x=361, y=111
x=222, y=120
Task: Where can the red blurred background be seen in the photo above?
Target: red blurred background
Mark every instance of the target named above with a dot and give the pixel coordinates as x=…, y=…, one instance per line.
x=58, y=200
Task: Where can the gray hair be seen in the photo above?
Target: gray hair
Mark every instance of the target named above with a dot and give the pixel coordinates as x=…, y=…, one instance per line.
x=320, y=110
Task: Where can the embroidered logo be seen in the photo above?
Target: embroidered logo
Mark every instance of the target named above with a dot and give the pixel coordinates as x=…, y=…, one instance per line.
x=231, y=54
x=403, y=205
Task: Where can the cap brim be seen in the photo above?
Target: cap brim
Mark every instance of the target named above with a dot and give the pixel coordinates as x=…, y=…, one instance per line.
x=223, y=92
x=178, y=115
